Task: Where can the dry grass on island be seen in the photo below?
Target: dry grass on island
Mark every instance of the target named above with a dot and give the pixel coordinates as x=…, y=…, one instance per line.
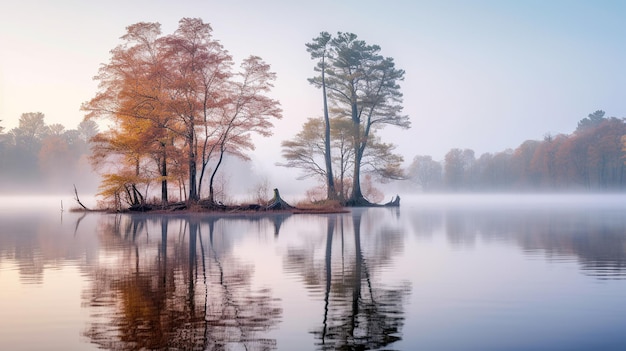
x=275, y=205
x=324, y=206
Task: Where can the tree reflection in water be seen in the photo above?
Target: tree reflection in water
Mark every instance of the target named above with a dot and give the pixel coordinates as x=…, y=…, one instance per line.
x=360, y=311
x=594, y=236
x=181, y=291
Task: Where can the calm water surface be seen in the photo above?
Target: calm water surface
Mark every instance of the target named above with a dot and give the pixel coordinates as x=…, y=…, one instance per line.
x=440, y=273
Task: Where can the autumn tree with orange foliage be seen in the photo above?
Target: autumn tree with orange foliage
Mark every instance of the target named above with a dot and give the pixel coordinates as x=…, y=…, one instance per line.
x=176, y=104
x=198, y=68
x=132, y=96
x=246, y=110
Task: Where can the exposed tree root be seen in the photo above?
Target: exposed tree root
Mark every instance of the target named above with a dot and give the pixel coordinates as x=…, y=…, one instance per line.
x=362, y=202
x=277, y=203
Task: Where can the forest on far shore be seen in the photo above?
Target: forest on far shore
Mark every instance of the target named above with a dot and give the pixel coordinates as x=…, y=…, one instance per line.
x=589, y=159
x=37, y=157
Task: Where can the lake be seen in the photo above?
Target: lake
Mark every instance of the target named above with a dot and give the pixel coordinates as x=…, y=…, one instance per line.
x=462, y=272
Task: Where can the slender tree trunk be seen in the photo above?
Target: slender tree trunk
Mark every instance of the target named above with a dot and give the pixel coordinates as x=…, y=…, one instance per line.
x=211, y=181
x=356, y=198
x=205, y=160
x=201, y=177
x=138, y=198
x=330, y=179
x=193, y=195
x=164, y=177
x=342, y=179
x=202, y=172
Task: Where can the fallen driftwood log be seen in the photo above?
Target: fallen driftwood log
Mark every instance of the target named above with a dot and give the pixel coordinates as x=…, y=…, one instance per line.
x=77, y=200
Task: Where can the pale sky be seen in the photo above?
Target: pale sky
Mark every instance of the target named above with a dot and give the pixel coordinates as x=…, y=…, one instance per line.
x=484, y=75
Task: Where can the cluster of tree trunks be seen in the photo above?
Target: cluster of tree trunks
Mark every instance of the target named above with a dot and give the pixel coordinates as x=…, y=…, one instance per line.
x=364, y=89
x=277, y=203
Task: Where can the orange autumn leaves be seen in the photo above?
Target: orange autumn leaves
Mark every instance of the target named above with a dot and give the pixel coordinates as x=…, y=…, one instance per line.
x=177, y=106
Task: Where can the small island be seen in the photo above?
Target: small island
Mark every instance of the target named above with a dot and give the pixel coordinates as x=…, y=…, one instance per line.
x=276, y=205
x=177, y=109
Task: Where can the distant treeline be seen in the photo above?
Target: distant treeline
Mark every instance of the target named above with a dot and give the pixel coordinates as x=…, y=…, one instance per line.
x=37, y=157
x=590, y=159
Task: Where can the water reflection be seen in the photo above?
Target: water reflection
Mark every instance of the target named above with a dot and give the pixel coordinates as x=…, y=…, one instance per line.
x=489, y=274
x=360, y=311
x=180, y=289
x=593, y=234
x=35, y=241
x=175, y=282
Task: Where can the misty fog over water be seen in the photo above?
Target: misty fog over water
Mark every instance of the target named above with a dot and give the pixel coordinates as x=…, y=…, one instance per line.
x=442, y=272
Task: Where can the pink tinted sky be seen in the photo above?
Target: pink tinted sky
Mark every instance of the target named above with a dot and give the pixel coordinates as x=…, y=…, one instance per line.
x=484, y=75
